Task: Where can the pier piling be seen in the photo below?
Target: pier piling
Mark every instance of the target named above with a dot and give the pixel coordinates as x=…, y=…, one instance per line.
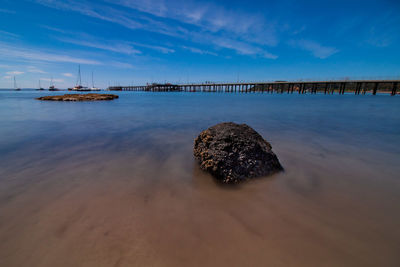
x=324, y=87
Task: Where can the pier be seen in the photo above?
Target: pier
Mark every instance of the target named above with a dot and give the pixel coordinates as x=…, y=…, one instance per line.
x=301, y=87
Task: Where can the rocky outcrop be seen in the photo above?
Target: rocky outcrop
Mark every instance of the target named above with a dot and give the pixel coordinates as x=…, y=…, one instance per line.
x=78, y=97
x=235, y=152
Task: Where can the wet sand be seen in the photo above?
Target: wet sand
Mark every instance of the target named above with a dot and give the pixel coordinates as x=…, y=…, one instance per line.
x=141, y=200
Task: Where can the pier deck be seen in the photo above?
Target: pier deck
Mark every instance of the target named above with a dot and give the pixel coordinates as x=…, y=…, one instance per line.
x=300, y=87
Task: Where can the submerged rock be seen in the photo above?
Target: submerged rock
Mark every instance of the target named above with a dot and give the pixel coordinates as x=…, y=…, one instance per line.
x=234, y=152
x=78, y=97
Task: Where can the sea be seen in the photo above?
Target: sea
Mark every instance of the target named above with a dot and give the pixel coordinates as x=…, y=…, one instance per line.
x=115, y=183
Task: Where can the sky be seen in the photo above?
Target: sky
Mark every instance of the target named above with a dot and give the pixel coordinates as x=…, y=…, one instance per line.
x=134, y=42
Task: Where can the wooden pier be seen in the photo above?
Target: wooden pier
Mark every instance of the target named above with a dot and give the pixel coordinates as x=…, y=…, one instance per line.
x=301, y=87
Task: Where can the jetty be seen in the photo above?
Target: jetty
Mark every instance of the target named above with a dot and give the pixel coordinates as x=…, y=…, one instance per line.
x=301, y=87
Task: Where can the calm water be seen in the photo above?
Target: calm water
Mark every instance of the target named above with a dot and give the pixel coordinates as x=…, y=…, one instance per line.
x=115, y=183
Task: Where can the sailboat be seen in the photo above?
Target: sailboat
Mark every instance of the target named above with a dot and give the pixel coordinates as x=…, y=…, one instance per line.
x=52, y=87
x=78, y=86
x=40, y=87
x=15, y=85
x=94, y=88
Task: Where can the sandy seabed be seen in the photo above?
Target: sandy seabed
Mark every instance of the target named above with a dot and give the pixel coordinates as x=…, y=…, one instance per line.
x=157, y=208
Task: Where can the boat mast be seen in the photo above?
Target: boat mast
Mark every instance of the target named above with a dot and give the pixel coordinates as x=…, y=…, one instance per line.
x=15, y=83
x=79, y=80
x=92, y=80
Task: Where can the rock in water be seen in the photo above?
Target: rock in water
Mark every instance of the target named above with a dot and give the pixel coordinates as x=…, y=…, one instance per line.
x=78, y=97
x=235, y=152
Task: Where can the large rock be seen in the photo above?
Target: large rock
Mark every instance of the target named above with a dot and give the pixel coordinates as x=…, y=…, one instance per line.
x=78, y=97
x=235, y=152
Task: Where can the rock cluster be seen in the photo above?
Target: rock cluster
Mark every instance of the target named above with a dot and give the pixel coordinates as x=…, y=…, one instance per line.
x=78, y=97
x=235, y=152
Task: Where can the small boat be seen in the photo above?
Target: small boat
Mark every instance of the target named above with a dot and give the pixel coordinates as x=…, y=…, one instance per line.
x=94, y=88
x=16, y=88
x=40, y=88
x=78, y=86
x=52, y=87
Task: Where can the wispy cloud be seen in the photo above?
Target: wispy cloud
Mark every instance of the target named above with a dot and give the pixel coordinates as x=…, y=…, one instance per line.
x=93, y=10
x=54, y=29
x=54, y=80
x=299, y=30
x=116, y=46
x=243, y=48
x=15, y=72
x=378, y=38
x=2, y=10
x=68, y=74
x=8, y=51
x=34, y=69
x=381, y=32
x=162, y=49
x=186, y=20
x=8, y=34
x=210, y=17
x=199, y=51
x=316, y=49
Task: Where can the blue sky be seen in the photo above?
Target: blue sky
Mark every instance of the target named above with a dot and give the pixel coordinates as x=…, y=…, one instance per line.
x=139, y=41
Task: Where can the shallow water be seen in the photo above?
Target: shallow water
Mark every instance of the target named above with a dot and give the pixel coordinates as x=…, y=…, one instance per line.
x=115, y=184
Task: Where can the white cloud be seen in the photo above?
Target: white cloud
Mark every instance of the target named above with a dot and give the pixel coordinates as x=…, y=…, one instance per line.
x=34, y=69
x=15, y=72
x=115, y=46
x=52, y=28
x=315, y=48
x=265, y=54
x=208, y=17
x=242, y=48
x=118, y=46
x=8, y=51
x=164, y=50
x=95, y=11
x=8, y=34
x=68, y=74
x=188, y=20
x=154, y=7
x=199, y=51
x=54, y=80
